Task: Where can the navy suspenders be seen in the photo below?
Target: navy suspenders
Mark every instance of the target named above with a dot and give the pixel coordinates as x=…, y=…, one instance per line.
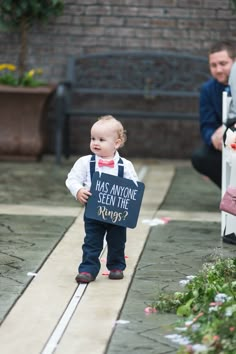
x=120, y=167
x=92, y=166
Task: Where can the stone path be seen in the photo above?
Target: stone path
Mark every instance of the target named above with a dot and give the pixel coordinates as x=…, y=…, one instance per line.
x=157, y=258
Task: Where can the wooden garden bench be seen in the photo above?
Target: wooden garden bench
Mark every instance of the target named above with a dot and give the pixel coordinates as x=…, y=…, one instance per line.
x=129, y=85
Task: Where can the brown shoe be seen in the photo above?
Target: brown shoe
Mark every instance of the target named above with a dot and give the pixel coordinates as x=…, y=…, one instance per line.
x=84, y=277
x=116, y=274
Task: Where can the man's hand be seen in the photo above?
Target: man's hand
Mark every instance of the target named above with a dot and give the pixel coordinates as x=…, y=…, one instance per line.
x=82, y=195
x=217, y=137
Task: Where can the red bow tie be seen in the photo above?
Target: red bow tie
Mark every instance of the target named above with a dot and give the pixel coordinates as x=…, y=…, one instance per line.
x=107, y=163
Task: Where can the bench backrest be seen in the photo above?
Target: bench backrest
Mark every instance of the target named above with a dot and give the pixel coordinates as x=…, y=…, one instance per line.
x=149, y=74
x=158, y=85
x=152, y=84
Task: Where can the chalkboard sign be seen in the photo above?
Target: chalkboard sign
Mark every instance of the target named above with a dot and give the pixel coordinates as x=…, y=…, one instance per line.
x=114, y=200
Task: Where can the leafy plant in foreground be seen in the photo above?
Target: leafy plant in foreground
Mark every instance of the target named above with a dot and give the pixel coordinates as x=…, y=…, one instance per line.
x=208, y=306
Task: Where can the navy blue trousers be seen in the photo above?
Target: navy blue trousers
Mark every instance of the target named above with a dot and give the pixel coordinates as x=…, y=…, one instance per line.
x=95, y=232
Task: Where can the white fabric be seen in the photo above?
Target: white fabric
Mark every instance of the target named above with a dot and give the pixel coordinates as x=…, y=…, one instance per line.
x=228, y=222
x=232, y=84
x=79, y=175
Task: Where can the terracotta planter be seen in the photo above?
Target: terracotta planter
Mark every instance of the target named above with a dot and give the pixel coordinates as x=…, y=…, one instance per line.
x=22, y=121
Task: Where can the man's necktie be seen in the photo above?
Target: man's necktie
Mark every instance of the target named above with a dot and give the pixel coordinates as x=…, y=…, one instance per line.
x=107, y=163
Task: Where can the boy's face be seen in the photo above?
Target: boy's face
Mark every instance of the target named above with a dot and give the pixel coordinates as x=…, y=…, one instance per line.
x=104, y=140
x=220, y=65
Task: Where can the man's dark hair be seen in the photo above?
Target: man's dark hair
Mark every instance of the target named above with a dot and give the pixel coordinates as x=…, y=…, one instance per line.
x=229, y=46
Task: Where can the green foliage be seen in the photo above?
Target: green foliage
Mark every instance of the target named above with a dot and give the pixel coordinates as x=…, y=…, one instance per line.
x=208, y=306
x=214, y=330
x=13, y=12
x=21, y=15
x=9, y=77
x=212, y=279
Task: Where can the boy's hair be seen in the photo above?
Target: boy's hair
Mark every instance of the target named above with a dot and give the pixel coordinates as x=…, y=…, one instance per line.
x=229, y=46
x=121, y=132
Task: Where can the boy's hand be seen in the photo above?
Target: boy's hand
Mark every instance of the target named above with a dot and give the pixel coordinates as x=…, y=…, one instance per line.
x=82, y=195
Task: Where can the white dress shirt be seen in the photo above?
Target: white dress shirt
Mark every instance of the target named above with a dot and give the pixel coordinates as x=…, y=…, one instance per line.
x=79, y=176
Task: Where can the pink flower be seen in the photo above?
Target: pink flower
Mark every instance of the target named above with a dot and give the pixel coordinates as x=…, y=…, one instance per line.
x=189, y=349
x=150, y=309
x=217, y=303
x=216, y=338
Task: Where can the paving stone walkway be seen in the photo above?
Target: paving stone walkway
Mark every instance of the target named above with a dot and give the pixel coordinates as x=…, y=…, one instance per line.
x=172, y=252
x=25, y=243
x=41, y=231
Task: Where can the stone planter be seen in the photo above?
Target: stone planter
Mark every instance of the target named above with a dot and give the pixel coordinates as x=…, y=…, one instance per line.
x=22, y=121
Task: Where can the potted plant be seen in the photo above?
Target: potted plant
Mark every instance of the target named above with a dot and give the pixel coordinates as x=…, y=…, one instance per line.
x=23, y=96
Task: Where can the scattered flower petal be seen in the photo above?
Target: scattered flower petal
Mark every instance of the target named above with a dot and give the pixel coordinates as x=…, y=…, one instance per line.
x=166, y=219
x=188, y=323
x=184, y=282
x=199, y=348
x=122, y=322
x=213, y=309
x=216, y=338
x=215, y=303
x=181, y=329
x=178, y=338
x=221, y=297
x=32, y=274
x=150, y=309
x=153, y=222
x=195, y=327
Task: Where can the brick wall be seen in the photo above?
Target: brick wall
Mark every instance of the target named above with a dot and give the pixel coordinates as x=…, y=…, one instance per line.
x=88, y=26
